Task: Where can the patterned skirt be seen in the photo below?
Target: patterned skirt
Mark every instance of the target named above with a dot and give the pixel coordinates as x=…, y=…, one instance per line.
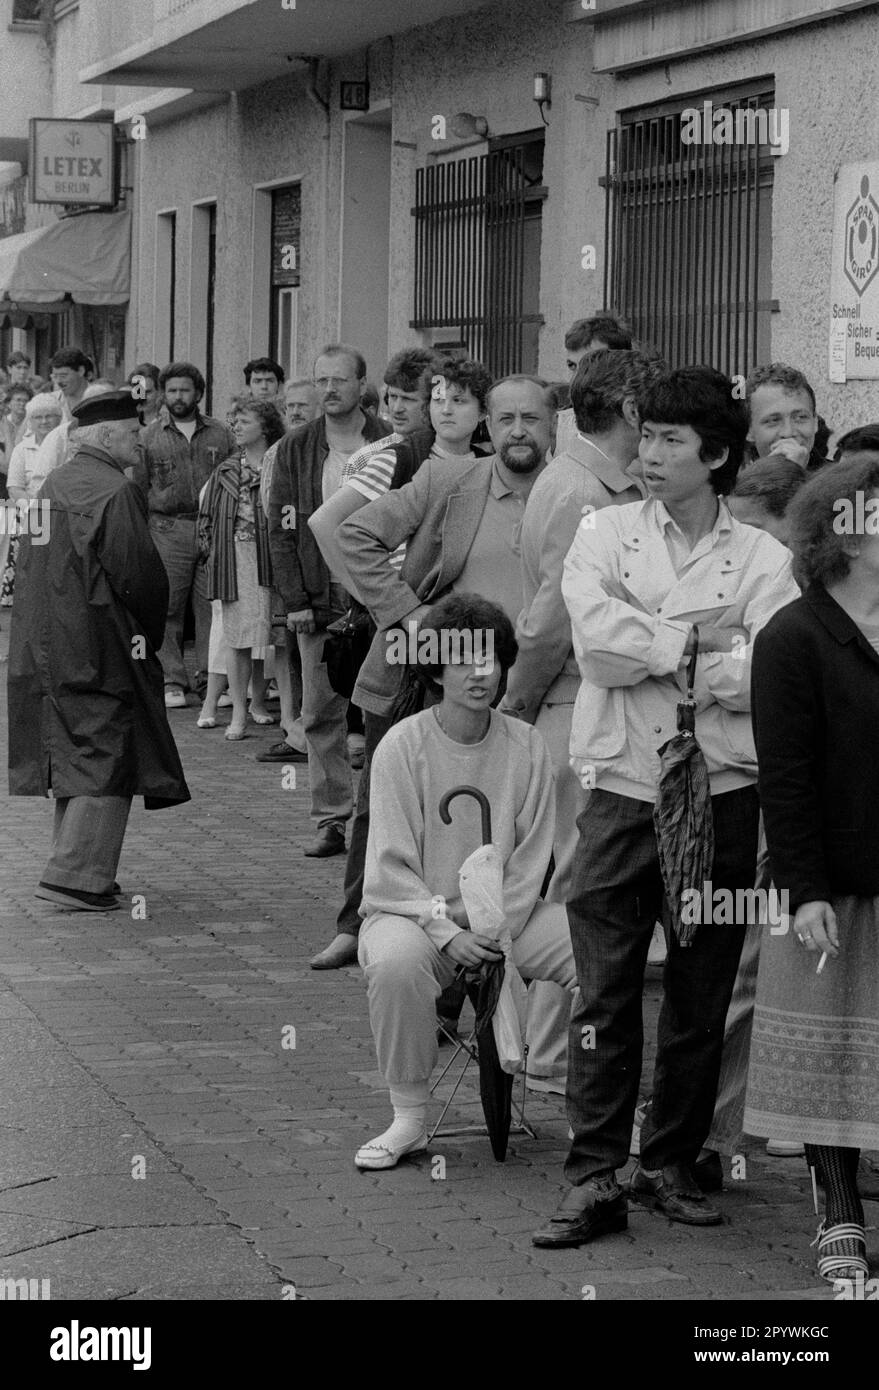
x=814, y=1068
x=247, y=622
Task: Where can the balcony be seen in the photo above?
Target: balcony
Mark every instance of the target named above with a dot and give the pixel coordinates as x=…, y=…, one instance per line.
x=227, y=45
x=636, y=33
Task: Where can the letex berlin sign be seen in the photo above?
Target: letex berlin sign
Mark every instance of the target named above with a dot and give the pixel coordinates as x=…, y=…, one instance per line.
x=71, y=162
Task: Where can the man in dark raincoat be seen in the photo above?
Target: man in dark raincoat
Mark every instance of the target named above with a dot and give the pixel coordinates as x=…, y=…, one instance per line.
x=86, y=705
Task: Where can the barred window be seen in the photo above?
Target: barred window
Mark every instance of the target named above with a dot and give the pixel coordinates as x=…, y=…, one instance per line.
x=689, y=226
x=477, y=252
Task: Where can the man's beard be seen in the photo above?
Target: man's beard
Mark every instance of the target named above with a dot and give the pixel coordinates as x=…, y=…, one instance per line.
x=181, y=410
x=517, y=465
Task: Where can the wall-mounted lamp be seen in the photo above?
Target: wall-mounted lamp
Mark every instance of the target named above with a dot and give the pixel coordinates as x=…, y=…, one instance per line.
x=463, y=126
x=542, y=93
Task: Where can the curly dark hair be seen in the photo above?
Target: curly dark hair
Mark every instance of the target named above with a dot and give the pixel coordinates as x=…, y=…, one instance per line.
x=469, y=613
x=817, y=537
x=773, y=482
x=411, y=370
x=703, y=399
x=182, y=369
x=469, y=374
x=268, y=415
x=778, y=374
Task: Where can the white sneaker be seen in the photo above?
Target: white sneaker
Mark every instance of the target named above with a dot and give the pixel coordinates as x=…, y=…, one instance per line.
x=174, y=697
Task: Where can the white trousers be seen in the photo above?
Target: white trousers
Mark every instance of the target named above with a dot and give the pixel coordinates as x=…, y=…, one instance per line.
x=405, y=975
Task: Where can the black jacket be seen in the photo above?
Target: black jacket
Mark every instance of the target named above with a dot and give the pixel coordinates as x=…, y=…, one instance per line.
x=295, y=493
x=815, y=706
x=86, y=704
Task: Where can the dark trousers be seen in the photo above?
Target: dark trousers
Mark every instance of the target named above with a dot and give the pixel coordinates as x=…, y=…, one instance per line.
x=616, y=898
x=349, y=919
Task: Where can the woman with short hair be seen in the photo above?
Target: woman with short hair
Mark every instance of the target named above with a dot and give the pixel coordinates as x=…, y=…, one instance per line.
x=233, y=544
x=814, y=1067
x=24, y=477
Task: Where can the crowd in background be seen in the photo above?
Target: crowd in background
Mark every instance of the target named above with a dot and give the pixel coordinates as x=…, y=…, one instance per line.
x=613, y=533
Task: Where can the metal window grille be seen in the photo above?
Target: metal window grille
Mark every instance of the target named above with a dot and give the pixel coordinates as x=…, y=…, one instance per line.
x=688, y=238
x=477, y=253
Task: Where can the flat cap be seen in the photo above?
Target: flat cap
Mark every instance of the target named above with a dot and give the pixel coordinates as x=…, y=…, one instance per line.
x=109, y=405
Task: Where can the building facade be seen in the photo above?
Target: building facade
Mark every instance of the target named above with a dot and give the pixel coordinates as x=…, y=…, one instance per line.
x=381, y=173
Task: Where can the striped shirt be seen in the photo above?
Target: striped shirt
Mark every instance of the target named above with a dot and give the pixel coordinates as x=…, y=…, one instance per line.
x=376, y=475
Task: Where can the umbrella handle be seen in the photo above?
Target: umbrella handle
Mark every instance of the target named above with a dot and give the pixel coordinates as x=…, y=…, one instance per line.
x=485, y=809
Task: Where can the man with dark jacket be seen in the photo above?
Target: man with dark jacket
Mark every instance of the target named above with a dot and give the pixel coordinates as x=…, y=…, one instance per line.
x=308, y=469
x=86, y=710
x=181, y=449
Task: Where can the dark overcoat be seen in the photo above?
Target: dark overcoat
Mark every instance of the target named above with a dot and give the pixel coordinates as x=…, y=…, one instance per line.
x=86, y=700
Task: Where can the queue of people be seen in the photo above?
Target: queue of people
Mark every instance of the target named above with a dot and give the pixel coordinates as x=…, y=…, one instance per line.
x=655, y=535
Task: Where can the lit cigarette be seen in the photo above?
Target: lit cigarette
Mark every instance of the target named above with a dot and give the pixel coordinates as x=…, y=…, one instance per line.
x=822, y=962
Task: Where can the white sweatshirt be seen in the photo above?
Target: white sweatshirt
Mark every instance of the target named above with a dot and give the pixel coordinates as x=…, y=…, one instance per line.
x=412, y=858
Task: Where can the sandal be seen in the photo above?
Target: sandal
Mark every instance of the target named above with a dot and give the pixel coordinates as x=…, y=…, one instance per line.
x=836, y=1263
x=262, y=718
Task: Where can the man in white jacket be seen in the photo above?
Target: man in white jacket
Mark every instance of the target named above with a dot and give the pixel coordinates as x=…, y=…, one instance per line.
x=638, y=580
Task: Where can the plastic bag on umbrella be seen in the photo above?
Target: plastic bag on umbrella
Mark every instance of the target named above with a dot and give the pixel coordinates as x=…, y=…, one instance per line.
x=481, y=880
x=682, y=815
x=497, y=998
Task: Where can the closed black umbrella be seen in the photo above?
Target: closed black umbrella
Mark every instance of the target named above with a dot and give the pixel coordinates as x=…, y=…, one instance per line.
x=484, y=988
x=682, y=814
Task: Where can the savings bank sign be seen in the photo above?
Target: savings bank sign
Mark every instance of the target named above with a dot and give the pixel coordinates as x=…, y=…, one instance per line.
x=71, y=162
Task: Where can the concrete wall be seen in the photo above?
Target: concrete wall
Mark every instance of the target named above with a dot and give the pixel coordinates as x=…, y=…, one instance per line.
x=25, y=70
x=267, y=135
x=824, y=76
x=485, y=64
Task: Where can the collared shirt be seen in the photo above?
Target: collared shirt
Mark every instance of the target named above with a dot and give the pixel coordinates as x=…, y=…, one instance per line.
x=64, y=402
x=680, y=552
x=174, y=469
x=23, y=470
x=56, y=448
x=632, y=609
x=576, y=484
x=493, y=565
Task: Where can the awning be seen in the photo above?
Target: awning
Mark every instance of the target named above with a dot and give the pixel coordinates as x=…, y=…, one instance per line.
x=85, y=257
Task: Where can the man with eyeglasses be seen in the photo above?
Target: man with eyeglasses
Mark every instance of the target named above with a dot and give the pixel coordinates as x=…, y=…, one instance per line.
x=308, y=469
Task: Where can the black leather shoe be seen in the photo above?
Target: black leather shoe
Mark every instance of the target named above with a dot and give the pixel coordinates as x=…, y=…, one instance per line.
x=329, y=840
x=675, y=1192
x=595, y=1209
x=282, y=753
x=77, y=899
x=708, y=1173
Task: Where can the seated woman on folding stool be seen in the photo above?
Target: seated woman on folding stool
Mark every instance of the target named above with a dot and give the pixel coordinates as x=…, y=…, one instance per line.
x=416, y=932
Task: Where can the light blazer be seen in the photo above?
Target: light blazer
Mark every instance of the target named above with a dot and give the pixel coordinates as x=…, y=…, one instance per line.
x=437, y=514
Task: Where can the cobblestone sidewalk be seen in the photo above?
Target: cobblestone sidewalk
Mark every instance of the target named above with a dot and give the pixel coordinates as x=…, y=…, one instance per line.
x=162, y=1138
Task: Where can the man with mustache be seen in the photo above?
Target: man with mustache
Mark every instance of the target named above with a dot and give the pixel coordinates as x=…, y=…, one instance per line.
x=180, y=450
x=308, y=469
x=460, y=523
